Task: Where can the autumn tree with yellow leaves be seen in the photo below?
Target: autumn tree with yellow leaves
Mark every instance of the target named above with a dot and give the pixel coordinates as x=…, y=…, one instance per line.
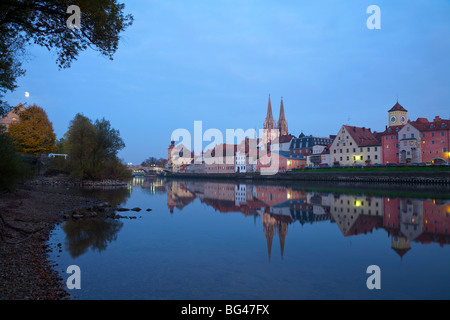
x=33, y=134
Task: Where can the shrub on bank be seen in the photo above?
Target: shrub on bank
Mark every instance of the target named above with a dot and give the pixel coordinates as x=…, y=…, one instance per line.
x=13, y=166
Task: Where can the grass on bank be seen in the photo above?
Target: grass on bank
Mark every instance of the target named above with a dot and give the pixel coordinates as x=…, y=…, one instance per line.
x=379, y=169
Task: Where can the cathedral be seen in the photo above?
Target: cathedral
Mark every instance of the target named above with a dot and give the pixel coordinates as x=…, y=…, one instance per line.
x=273, y=129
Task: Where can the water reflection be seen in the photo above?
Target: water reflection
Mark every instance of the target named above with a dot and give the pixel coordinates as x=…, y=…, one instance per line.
x=90, y=233
x=152, y=186
x=404, y=219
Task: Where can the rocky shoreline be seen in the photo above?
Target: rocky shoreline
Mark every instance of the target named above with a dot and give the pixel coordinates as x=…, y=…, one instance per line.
x=27, y=218
x=67, y=182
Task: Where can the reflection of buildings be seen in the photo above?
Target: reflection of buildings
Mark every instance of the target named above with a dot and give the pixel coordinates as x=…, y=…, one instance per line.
x=405, y=220
x=178, y=195
x=152, y=185
x=423, y=221
x=356, y=214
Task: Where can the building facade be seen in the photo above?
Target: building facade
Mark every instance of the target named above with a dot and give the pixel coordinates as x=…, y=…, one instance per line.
x=423, y=141
x=356, y=146
x=281, y=162
x=303, y=145
x=12, y=117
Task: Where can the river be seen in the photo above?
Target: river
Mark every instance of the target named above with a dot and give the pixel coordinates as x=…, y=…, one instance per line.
x=242, y=241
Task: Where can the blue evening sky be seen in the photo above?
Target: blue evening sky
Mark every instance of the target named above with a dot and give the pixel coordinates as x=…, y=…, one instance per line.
x=218, y=60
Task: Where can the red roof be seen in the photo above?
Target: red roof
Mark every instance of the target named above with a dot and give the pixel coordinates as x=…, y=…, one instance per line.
x=363, y=137
x=391, y=130
x=397, y=107
x=286, y=138
x=438, y=124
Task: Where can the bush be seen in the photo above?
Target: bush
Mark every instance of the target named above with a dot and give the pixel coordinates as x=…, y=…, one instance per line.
x=13, y=166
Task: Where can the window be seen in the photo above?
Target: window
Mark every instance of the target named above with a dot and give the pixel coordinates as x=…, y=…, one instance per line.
x=376, y=157
x=432, y=134
x=392, y=137
x=348, y=158
x=368, y=149
x=442, y=133
x=423, y=135
x=404, y=136
x=412, y=135
x=432, y=141
x=362, y=158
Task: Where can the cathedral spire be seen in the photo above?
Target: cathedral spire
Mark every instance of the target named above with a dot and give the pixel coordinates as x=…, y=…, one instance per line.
x=269, y=110
x=282, y=123
x=281, y=117
x=269, y=123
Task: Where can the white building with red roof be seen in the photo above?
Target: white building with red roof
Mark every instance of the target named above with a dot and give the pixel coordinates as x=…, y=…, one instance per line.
x=356, y=146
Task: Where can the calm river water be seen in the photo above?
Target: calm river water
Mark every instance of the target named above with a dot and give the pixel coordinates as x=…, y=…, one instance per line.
x=219, y=240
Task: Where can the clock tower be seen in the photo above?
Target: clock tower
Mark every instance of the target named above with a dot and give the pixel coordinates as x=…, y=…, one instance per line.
x=398, y=116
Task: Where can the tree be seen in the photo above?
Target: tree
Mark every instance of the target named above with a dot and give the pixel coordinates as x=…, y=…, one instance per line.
x=43, y=22
x=109, y=142
x=12, y=167
x=33, y=133
x=93, y=148
x=151, y=161
x=80, y=143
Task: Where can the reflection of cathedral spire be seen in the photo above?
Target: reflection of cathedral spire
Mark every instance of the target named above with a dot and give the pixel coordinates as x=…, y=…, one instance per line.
x=271, y=226
x=269, y=232
x=282, y=232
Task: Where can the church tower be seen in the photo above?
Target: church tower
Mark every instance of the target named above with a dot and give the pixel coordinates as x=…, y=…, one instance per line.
x=398, y=116
x=269, y=125
x=282, y=123
x=269, y=122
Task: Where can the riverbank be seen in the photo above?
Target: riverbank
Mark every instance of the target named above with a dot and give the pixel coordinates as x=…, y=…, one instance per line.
x=27, y=218
x=434, y=177
x=65, y=181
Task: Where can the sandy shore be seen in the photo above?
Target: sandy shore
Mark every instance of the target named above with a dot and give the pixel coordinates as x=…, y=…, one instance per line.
x=27, y=218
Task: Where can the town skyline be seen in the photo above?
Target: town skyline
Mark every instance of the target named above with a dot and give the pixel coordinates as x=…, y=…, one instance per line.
x=218, y=62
